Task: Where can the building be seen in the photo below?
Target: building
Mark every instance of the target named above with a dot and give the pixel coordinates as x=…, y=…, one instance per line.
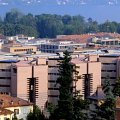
x=110, y=67
x=19, y=37
x=10, y=106
x=61, y=46
x=5, y=76
x=21, y=74
x=18, y=49
x=85, y=65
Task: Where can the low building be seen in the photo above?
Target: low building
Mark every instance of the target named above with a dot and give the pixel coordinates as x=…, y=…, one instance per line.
x=61, y=46
x=12, y=106
x=19, y=49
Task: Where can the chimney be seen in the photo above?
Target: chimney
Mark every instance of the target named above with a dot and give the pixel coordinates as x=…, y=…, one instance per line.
x=18, y=101
x=11, y=102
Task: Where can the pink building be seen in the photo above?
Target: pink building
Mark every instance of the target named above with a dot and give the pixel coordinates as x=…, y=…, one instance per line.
x=21, y=71
x=85, y=65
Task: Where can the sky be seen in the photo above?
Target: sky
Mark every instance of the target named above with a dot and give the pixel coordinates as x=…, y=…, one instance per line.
x=99, y=10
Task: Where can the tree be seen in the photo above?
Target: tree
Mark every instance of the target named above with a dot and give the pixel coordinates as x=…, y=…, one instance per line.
x=36, y=114
x=65, y=103
x=70, y=105
x=116, y=89
x=105, y=111
x=81, y=108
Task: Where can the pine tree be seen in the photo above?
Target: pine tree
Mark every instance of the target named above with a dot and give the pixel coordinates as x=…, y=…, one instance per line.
x=70, y=105
x=65, y=80
x=116, y=89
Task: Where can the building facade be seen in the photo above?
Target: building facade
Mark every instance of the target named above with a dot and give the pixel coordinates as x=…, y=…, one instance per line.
x=83, y=67
x=22, y=73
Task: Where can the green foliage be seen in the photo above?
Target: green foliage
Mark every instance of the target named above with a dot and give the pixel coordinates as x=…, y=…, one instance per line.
x=116, y=89
x=36, y=114
x=81, y=108
x=65, y=103
x=105, y=111
x=70, y=105
x=48, y=26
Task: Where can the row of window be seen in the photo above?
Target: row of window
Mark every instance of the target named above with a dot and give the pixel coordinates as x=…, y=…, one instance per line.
x=108, y=78
x=5, y=77
x=53, y=96
x=53, y=88
x=109, y=63
x=17, y=50
x=53, y=66
x=108, y=70
x=5, y=70
x=4, y=85
x=53, y=74
x=49, y=47
x=51, y=81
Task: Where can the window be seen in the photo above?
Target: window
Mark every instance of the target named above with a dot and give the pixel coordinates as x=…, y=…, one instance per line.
x=53, y=88
x=5, y=70
x=52, y=81
x=109, y=63
x=16, y=111
x=53, y=74
x=53, y=96
x=5, y=77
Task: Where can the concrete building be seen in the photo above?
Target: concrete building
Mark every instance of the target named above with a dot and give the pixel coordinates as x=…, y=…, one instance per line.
x=20, y=74
x=61, y=46
x=19, y=49
x=10, y=106
x=85, y=65
x=14, y=76
x=19, y=37
x=5, y=76
x=110, y=68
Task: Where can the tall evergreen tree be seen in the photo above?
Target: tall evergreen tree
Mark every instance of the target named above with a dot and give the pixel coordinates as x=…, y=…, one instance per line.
x=65, y=80
x=70, y=105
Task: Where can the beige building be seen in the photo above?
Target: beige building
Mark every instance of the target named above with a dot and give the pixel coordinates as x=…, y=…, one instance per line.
x=20, y=74
x=85, y=65
x=5, y=76
x=19, y=49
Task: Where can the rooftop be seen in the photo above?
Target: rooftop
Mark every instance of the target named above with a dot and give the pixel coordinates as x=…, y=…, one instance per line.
x=8, y=101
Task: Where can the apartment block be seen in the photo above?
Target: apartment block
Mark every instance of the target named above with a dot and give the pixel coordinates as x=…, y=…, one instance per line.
x=5, y=76
x=21, y=74
x=110, y=67
x=85, y=65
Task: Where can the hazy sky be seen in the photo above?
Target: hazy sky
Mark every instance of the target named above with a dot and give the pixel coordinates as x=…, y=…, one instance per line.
x=99, y=10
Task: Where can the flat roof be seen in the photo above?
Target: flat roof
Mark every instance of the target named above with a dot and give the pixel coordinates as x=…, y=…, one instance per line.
x=9, y=61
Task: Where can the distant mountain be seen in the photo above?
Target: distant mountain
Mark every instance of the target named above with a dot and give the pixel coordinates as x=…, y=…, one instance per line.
x=99, y=10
